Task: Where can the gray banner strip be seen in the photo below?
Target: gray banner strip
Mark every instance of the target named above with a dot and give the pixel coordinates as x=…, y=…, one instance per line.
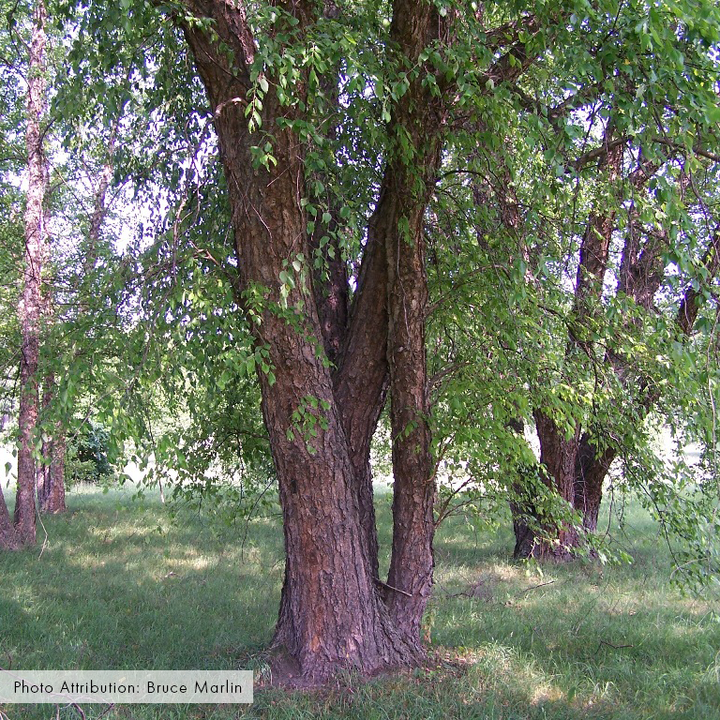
x=126, y=686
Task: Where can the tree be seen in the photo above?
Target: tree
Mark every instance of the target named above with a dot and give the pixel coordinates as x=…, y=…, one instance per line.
x=332, y=613
x=342, y=132
x=35, y=256
x=587, y=206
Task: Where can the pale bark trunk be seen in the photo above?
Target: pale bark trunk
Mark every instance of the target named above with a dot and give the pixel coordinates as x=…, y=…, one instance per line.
x=29, y=310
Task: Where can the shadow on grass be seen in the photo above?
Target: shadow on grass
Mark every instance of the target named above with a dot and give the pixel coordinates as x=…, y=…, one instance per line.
x=121, y=586
x=578, y=640
x=118, y=585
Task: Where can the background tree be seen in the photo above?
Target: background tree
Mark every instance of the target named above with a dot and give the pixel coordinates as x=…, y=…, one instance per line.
x=593, y=196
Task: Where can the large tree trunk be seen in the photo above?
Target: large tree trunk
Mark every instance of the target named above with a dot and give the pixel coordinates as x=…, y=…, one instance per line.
x=29, y=311
x=320, y=420
x=410, y=181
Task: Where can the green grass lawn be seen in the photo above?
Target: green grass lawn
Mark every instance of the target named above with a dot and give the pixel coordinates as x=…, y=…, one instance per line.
x=119, y=584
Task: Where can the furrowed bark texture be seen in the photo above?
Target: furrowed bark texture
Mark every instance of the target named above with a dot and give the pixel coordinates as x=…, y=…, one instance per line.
x=29, y=311
x=410, y=182
x=362, y=375
x=320, y=420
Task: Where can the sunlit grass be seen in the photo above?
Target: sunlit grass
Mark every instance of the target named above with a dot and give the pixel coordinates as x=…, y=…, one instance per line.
x=121, y=583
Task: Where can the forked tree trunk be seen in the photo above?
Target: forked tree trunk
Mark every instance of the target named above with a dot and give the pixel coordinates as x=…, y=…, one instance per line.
x=560, y=453
x=320, y=420
x=30, y=306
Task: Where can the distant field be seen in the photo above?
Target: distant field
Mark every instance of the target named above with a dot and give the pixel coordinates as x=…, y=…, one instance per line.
x=119, y=583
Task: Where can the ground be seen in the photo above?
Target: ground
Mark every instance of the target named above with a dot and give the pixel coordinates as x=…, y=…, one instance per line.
x=121, y=583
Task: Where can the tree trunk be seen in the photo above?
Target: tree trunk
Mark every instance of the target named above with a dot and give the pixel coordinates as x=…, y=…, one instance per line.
x=331, y=613
x=29, y=311
x=361, y=377
x=411, y=567
x=42, y=469
x=320, y=421
x=51, y=471
x=558, y=455
x=590, y=473
x=9, y=539
x=410, y=178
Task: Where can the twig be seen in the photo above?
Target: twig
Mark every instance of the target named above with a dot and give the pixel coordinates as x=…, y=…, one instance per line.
x=108, y=709
x=75, y=706
x=45, y=541
x=614, y=647
x=390, y=587
x=534, y=587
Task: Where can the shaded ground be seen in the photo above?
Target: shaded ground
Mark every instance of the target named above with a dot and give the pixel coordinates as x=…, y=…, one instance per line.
x=120, y=584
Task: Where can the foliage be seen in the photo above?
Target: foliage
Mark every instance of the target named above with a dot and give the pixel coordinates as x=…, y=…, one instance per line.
x=153, y=339
x=88, y=456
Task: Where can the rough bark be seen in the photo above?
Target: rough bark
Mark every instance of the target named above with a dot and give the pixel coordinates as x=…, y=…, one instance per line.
x=332, y=615
x=591, y=469
x=30, y=306
x=362, y=375
x=641, y=274
x=411, y=181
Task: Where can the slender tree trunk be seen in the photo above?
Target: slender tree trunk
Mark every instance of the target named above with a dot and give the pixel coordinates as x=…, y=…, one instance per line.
x=411, y=566
x=411, y=181
x=55, y=496
x=29, y=311
x=42, y=469
x=51, y=473
x=362, y=375
x=9, y=539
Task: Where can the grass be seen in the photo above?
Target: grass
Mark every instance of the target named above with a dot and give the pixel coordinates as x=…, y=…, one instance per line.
x=119, y=584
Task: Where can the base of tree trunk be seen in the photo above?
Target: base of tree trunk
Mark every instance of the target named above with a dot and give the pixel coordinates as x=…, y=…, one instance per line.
x=9, y=539
x=383, y=648
x=528, y=545
x=284, y=671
